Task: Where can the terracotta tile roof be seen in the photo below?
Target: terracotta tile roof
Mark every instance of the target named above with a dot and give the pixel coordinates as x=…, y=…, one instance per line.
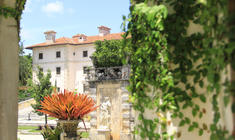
x=50, y=31
x=79, y=35
x=104, y=28
x=75, y=41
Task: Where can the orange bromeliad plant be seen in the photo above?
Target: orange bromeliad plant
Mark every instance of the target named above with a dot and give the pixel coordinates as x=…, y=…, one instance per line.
x=67, y=105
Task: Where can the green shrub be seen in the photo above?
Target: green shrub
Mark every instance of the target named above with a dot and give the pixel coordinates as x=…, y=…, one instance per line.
x=50, y=134
x=107, y=53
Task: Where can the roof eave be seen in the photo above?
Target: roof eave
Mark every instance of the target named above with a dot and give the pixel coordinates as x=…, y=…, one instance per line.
x=32, y=47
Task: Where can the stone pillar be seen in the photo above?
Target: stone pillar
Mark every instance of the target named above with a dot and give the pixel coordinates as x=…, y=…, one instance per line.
x=8, y=74
x=126, y=113
x=93, y=132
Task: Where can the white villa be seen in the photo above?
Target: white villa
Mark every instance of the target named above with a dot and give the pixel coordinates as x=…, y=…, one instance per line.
x=68, y=58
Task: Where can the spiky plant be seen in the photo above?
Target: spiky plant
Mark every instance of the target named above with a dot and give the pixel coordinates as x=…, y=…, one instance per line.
x=67, y=105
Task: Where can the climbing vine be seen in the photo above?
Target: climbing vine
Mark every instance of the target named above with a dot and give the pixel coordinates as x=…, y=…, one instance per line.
x=14, y=12
x=175, y=69
x=173, y=64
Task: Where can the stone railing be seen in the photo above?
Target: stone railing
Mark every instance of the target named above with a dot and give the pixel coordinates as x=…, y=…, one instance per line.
x=111, y=73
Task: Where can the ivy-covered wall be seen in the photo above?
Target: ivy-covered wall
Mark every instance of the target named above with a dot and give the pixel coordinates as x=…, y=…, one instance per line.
x=165, y=60
x=180, y=83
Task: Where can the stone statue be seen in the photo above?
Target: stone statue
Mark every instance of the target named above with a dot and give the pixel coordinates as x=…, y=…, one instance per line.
x=105, y=113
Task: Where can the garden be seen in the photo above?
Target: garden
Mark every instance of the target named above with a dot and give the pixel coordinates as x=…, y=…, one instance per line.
x=181, y=55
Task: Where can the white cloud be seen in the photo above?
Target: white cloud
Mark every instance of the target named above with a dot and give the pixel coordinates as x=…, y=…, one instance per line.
x=53, y=7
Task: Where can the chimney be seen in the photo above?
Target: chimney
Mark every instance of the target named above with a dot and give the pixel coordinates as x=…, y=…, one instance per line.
x=80, y=37
x=103, y=30
x=50, y=36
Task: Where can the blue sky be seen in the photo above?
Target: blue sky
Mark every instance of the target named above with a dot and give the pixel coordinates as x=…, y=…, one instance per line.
x=70, y=17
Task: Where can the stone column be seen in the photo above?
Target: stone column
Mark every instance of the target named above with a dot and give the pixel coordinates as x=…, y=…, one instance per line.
x=126, y=113
x=8, y=74
x=93, y=132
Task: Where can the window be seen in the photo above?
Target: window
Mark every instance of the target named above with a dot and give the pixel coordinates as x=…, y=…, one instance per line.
x=40, y=56
x=58, y=89
x=85, y=70
x=73, y=53
x=58, y=70
x=85, y=53
x=58, y=54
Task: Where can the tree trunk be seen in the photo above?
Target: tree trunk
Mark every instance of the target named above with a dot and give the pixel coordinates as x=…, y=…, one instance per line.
x=45, y=119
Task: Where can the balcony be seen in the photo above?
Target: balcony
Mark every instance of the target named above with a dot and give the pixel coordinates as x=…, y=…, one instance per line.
x=110, y=73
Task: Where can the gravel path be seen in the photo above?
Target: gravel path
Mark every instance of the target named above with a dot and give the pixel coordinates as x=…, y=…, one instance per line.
x=30, y=137
x=26, y=113
x=26, y=116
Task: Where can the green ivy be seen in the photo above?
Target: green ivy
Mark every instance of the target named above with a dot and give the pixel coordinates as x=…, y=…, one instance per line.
x=172, y=64
x=14, y=12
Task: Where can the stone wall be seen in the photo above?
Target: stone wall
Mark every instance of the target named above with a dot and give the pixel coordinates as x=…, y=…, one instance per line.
x=118, y=125
x=25, y=104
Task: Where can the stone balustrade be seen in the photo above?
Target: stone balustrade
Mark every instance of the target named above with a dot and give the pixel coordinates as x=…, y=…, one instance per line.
x=110, y=73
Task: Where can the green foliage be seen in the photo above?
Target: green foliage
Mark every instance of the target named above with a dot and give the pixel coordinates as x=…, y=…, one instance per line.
x=84, y=134
x=172, y=63
x=25, y=67
x=25, y=74
x=146, y=28
x=107, y=53
x=23, y=95
x=9, y=12
x=14, y=12
x=40, y=88
x=27, y=127
x=51, y=134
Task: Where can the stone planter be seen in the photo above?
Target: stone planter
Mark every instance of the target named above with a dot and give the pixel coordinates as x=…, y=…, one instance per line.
x=69, y=129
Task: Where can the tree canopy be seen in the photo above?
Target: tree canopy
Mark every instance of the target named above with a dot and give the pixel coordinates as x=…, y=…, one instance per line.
x=40, y=88
x=25, y=66
x=107, y=53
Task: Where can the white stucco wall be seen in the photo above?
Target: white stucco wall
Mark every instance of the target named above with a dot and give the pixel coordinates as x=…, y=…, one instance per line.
x=71, y=63
x=60, y=80
x=49, y=54
x=81, y=62
x=50, y=62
